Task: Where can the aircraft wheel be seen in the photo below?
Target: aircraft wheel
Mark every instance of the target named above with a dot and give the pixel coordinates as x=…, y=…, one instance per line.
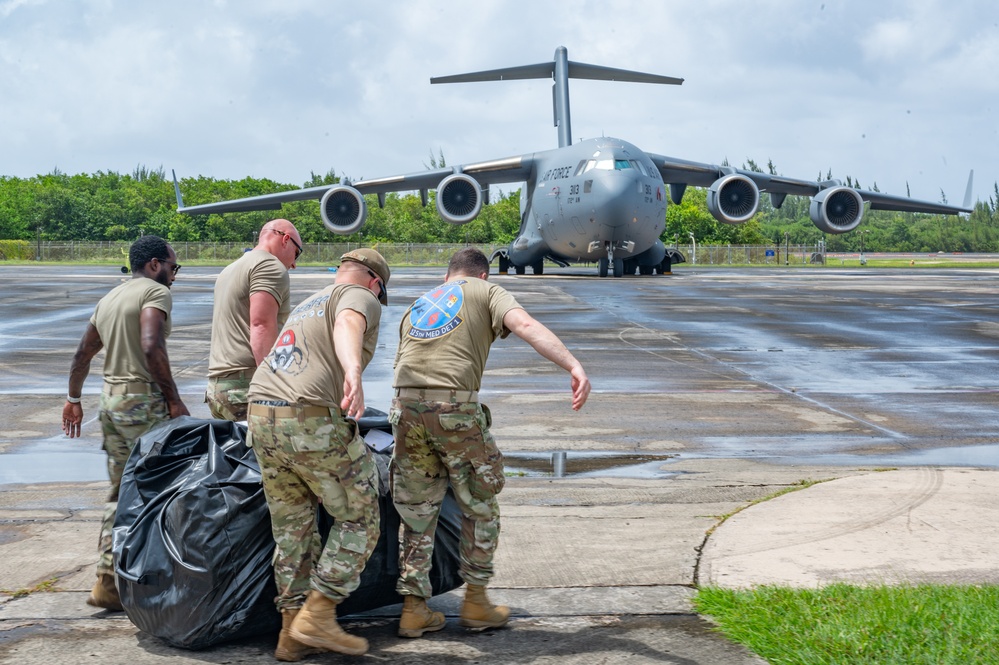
x=504, y=265
x=645, y=270
x=520, y=269
x=538, y=268
x=602, y=267
x=618, y=267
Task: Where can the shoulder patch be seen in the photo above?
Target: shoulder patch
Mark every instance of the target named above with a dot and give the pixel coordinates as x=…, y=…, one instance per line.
x=435, y=313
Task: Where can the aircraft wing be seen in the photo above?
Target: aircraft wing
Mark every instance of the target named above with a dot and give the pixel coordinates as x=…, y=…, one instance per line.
x=509, y=169
x=678, y=173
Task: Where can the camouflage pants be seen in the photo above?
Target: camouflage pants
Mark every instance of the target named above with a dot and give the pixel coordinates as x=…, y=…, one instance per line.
x=436, y=442
x=304, y=461
x=124, y=418
x=226, y=398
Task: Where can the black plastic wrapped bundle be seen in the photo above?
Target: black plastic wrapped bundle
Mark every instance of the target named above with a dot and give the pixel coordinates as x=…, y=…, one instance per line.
x=193, y=545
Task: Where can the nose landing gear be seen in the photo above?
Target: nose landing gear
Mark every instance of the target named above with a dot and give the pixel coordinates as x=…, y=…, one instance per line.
x=616, y=265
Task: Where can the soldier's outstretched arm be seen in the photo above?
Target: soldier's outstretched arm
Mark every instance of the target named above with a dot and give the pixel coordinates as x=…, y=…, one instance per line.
x=72, y=412
x=549, y=346
x=151, y=320
x=348, y=340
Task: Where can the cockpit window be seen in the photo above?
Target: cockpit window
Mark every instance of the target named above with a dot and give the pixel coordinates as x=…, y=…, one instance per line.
x=638, y=165
x=608, y=165
x=579, y=169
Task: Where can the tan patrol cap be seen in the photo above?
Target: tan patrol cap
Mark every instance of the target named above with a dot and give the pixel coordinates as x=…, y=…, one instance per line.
x=374, y=262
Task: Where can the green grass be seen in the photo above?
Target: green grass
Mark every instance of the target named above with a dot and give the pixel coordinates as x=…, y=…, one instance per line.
x=854, y=263
x=41, y=587
x=843, y=624
x=915, y=262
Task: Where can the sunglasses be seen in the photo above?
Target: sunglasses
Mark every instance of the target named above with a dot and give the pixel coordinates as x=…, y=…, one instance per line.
x=298, y=248
x=381, y=285
x=373, y=275
x=174, y=267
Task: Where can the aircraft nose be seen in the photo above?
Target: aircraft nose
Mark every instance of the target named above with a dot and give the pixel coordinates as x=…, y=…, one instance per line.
x=619, y=196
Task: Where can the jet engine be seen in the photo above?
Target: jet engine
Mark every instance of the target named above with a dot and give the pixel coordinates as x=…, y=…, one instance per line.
x=343, y=210
x=837, y=209
x=733, y=199
x=459, y=198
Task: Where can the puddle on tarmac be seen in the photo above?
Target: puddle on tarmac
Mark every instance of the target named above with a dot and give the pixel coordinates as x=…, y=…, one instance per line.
x=54, y=460
x=588, y=464
x=986, y=456
x=59, y=460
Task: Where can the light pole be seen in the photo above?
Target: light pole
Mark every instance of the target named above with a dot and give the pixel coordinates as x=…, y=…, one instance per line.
x=863, y=259
x=787, y=248
x=693, y=252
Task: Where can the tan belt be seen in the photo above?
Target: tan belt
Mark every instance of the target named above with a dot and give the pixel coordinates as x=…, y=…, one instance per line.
x=293, y=411
x=135, y=388
x=438, y=395
x=238, y=374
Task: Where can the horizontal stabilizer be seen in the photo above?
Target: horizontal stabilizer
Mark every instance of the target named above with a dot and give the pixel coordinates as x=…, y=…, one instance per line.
x=544, y=70
x=580, y=70
x=560, y=69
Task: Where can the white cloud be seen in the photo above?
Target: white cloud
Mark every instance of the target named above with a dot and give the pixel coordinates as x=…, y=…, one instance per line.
x=899, y=92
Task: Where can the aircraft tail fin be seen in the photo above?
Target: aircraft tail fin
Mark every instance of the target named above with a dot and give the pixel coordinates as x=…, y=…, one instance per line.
x=967, y=192
x=176, y=189
x=561, y=69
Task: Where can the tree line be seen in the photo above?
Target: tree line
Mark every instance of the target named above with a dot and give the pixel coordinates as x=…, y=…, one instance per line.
x=113, y=206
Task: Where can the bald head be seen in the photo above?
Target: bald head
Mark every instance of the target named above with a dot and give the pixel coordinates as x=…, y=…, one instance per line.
x=281, y=238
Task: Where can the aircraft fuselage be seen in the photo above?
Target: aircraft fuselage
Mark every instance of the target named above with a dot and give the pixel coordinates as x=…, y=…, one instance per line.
x=599, y=199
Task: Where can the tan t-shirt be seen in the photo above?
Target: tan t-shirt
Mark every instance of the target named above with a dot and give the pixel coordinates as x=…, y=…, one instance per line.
x=253, y=272
x=445, y=336
x=116, y=318
x=302, y=368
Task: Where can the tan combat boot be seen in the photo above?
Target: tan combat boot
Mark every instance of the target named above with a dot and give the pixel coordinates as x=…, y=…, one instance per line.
x=478, y=613
x=316, y=626
x=417, y=618
x=105, y=594
x=288, y=649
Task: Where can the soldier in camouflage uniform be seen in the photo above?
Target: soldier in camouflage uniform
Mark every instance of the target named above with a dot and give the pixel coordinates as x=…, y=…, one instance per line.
x=301, y=397
x=131, y=323
x=442, y=432
x=252, y=301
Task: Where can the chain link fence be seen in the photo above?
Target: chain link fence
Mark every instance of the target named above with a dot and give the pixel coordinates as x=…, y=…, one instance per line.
x=753, y=254
x=413, y=254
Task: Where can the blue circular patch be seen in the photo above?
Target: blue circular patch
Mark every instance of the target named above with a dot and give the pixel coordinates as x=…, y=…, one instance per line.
x=435, y=313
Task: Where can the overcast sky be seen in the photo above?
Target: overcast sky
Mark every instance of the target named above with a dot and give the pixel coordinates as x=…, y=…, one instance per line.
x=889, y=92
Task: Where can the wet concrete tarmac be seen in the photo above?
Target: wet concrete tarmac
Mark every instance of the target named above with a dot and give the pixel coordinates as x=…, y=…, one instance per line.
x=713, y=389
x=815, y=366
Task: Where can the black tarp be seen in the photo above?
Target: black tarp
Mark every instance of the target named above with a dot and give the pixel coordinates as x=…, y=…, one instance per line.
x=193, y=545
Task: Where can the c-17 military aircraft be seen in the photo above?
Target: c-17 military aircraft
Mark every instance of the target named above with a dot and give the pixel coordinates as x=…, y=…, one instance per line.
x=599, y=200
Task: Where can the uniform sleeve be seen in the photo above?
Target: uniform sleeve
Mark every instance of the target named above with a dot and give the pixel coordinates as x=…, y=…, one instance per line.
x=362, y=301
x=272, y=277
x=500, y=302
x=158, y=296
